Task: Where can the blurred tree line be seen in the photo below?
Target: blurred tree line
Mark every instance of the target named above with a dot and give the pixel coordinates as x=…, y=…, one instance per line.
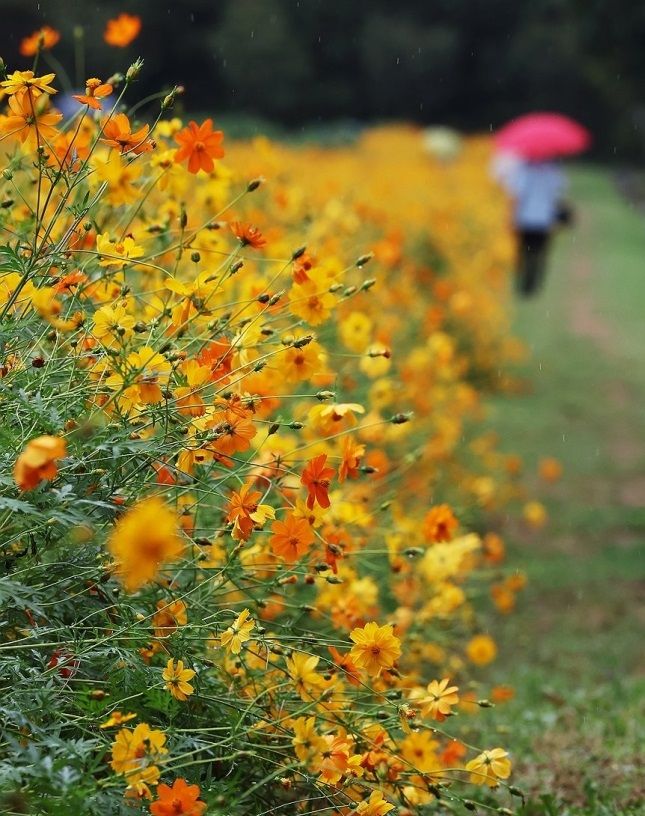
x=467, y=63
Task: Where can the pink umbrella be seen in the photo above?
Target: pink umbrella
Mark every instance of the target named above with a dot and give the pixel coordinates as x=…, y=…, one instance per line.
x=540, y=136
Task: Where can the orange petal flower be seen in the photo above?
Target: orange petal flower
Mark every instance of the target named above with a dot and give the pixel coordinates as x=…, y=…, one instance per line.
x=291, y=538
x=122, y=30
x=180, y=800
x=38, y=461
x=117, y=132
x=439, y=524
x=316, y=478
x=94, y=91
x=200, y=145
x=41, y=40
x=248, y=235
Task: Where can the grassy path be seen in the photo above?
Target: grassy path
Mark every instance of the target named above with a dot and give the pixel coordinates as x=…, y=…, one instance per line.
x=575, y=650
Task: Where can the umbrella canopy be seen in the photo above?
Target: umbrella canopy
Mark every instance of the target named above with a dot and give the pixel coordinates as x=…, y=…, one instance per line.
x=541, y=136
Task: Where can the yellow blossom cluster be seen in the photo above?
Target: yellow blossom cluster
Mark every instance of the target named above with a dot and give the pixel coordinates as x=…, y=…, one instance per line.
x=244, y=386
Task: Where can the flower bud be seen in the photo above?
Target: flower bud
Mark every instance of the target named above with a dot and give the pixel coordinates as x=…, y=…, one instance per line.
x=364, y=259
x=298, y=253
x=134, y=70
x=254, y=184
x=401, y=419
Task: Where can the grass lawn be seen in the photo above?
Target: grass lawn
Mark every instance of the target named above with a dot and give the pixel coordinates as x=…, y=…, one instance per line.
x=574, y=650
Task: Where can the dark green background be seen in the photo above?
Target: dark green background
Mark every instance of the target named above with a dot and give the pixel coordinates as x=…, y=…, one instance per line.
x=467, y=63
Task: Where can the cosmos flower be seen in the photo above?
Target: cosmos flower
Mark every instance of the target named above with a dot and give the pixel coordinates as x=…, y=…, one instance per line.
x=143, y=541
x=375, y=648
x=489, y=767
x=177, y=678
x=199, y=146
x=38, y=461
x=122, y=30
x=181, y=799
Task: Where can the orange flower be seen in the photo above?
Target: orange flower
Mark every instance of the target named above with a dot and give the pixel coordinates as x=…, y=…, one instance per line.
x=316, y=477
x=245, y=512
x=41, y=40
x=453, y=753
x=291, y=538
x=67, y=283
x=248, y=235
x=439, y=524
x=122, y=30
x=117, y=132
x=494, y=549
x=168, y=617
x=346, y=665
x=69, y=150
x=302, y=265
x=38, y=461
x=335, y=758
x=501, y=694
x=94, y=90
x=200, y=144
x=352, y=453
x=27, y=117
x=235, y=433
x=550, y=469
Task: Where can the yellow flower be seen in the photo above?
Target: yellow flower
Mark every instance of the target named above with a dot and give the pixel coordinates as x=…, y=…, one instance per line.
x=376, y=647
x=356, y=331
x=116, y=718
x=149, y=371
x=489, y=767
x=113, y=326
x=143, y=540
x=238, y=633
x=376, y=805
x=307, y=301
x=420, y=750
x=177, y=679
x=441, y=697
x=535, y=514
x=302, y=670
x=481, y=650
x=117, y=253
x=135, y=753
x=306, y=742
x=25, y=79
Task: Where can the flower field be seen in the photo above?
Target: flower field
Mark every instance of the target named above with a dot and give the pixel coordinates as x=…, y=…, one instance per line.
x=250, y=563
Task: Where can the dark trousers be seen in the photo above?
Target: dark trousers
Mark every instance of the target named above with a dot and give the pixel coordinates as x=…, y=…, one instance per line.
x=531, y=266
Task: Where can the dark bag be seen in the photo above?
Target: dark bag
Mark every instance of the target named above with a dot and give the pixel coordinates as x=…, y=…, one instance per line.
x=565, y=214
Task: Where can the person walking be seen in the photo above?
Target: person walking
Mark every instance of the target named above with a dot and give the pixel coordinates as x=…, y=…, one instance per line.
x=527, y=147
x=537, y=189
